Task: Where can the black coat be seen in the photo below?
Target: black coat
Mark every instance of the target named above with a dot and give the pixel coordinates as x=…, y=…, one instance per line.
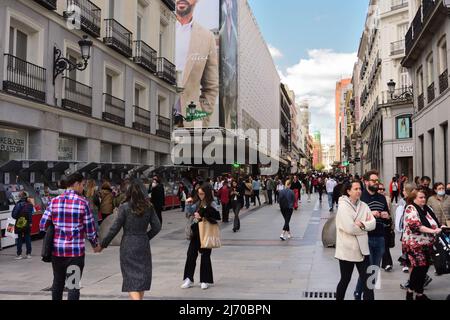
x=158, y=197
x=47, y=244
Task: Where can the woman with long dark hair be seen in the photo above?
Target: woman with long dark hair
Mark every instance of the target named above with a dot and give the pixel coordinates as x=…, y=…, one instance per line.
x=202, y=209
x=135, y=215
x=353, y=222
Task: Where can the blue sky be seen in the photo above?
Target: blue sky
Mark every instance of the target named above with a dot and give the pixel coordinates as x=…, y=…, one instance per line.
x=314, y=44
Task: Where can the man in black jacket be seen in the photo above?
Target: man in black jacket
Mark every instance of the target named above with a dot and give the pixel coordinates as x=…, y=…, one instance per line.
x=157, y=196
x=380, y=210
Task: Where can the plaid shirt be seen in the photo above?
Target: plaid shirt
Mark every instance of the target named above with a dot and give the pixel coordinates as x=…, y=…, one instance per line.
x=73, y=221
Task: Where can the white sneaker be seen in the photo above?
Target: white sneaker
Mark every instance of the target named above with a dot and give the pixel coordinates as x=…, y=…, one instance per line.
x=289, y=236
x=28, y=256
x=204, y=286
x=282, y=237
x=187, y=284
x=18, y=258
x=405, y=269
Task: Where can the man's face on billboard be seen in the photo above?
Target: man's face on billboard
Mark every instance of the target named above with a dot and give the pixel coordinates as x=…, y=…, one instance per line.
x=185, y=7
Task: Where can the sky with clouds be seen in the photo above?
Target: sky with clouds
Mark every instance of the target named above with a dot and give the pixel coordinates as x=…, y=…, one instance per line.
x=313, y=44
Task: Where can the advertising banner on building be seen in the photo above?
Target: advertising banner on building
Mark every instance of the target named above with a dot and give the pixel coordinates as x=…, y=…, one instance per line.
x=206, y=63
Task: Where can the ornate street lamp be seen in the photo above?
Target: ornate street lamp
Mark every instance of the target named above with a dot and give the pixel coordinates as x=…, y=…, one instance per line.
x=61, y=64
x=406, y=95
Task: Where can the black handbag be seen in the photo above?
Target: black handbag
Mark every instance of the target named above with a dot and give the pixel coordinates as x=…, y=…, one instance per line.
x=391, y=238
x=47, y=245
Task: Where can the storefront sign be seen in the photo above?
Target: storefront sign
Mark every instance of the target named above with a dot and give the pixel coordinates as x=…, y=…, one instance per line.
x=406, y=148
x=66, y=148
x=12, y=145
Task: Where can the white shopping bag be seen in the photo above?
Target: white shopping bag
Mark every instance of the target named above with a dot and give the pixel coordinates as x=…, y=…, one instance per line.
x=10, y=228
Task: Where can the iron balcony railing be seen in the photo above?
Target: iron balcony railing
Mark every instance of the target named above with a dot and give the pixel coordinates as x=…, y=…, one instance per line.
x=167, y=71
x=428, y=7
x=118, y=38
x=422, y=17
x=398, y=47
x=24, y=79
x=114, y=110
x=163, y=127
x=398, y=4
x=417, y=23
x=443, y=81
x=91, y=16
x=49, y=4
x=170, y=4
x=421, y=102
x=430, y=93
x=77, y=97
x=399, y=95
x=409, y=40
x=145, y=56
x=141, y=120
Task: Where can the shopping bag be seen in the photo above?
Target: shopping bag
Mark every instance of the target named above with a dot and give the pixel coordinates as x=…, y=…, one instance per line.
x=10, y=228
x=209, y=235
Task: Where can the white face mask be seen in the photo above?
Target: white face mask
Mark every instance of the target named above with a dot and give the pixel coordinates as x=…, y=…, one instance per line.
x=441, y=193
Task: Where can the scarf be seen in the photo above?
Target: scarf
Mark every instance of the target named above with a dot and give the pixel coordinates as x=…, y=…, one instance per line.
x=423, y=215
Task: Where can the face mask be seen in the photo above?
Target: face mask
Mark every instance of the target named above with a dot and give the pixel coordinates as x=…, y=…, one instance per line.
x=373, y=188
x=441, y=193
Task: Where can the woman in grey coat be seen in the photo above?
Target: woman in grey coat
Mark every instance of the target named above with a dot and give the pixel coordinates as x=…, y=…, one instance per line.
x=135, y=256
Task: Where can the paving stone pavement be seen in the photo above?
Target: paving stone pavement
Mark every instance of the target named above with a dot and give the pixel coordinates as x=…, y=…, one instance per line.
x=252, y=264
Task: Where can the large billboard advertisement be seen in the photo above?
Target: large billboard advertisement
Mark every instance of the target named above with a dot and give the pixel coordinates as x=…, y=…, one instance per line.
x=206, y=61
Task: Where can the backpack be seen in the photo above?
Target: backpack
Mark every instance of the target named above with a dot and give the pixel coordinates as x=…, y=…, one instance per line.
x=22, y=222
x=283, y=200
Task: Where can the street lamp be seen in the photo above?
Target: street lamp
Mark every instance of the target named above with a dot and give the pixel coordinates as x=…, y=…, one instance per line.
x=61, y=64
x=406, y=95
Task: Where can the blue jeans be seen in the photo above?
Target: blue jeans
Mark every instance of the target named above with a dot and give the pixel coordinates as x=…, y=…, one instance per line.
x=330, y=200
x=376, y=247
x=26, y=237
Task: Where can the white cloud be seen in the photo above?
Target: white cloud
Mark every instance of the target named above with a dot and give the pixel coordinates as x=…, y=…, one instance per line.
x=276, y=53
x=314, y=79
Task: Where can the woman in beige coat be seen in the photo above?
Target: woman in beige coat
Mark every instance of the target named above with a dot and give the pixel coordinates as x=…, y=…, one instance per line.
x=353, y=221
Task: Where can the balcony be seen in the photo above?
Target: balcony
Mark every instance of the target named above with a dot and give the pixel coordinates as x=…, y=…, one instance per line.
x=142, y=120
x=163, y=127
x=91, y=16
x=398, y=4
x=49, y=4
x=118, y=38
x=400, y=95
x=430, y=93
x=145, y=56
x=398, y=48
x=77, y=97
x=421, y=102
x=429, y=18
x=114, y=110
x=167, y=71
x=24, y=79
x=443, y=81
x=170, y=4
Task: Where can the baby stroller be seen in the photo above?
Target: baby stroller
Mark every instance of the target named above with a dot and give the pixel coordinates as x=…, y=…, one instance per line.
x=441, y=255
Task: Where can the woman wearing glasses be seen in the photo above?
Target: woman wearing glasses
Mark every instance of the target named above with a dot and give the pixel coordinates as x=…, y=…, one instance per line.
x=421, y=227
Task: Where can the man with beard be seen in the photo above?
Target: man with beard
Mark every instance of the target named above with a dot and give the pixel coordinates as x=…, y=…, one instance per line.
x=380, y=210
x=196, y=57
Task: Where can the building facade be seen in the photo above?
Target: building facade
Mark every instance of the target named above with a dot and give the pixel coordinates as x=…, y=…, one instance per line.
x=385, y=126
x=427, y=59
x=115, y=112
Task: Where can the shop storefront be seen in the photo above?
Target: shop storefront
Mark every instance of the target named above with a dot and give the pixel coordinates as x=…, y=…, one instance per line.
x=13, y=144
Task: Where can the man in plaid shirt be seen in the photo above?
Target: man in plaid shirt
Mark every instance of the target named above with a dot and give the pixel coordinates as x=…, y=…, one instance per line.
x=73, y=222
